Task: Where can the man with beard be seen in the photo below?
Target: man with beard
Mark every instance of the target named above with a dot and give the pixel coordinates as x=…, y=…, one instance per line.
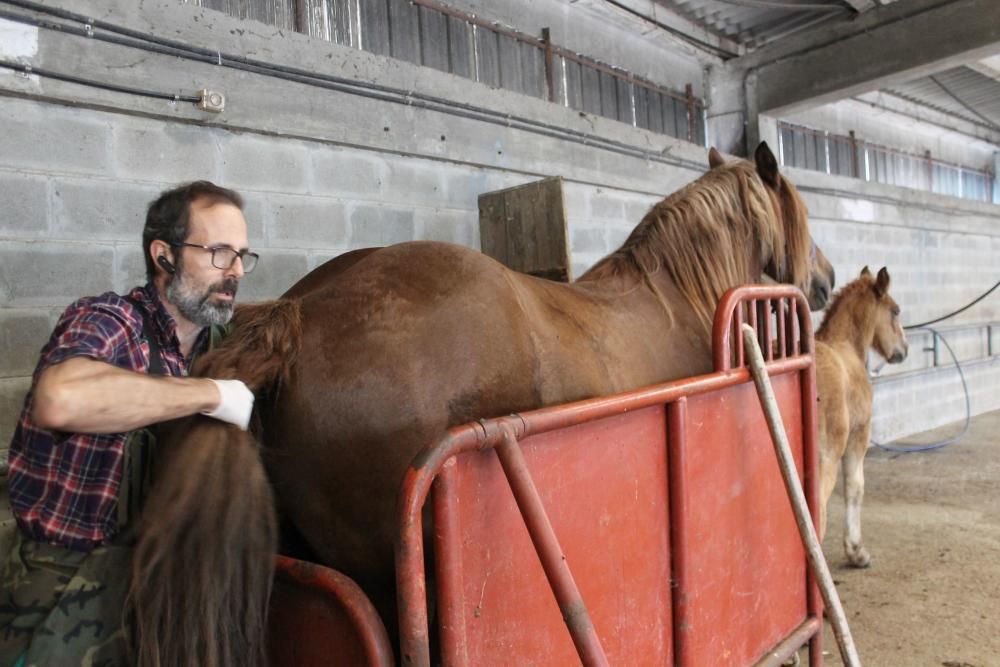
x=81, y=455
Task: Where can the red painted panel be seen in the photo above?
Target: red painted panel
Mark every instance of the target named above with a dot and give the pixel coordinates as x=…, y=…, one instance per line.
x=744, y=587
x=318, y=615
x=604, y=487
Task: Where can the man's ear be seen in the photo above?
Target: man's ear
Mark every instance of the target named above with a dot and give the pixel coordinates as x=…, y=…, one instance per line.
x=162, y=255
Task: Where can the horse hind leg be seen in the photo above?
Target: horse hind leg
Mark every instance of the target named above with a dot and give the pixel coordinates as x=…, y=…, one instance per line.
x=854, y=491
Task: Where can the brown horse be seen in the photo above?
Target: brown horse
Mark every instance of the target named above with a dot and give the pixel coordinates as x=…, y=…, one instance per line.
x=862, y=316
x=394, y=345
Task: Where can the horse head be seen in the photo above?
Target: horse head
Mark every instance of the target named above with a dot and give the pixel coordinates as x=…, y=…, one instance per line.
x=793, y=256
x=889, y=340
x=821, y=279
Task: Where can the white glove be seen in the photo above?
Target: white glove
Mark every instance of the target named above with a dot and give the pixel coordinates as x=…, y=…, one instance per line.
x=235, y=404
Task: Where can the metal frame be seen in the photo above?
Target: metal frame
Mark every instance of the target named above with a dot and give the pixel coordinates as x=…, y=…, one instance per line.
x=792, y=353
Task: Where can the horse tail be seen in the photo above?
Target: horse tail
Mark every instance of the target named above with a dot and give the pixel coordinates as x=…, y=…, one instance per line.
x=204, y=560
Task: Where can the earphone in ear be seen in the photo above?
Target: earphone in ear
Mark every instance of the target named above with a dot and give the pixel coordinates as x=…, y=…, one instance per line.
x=165, y=263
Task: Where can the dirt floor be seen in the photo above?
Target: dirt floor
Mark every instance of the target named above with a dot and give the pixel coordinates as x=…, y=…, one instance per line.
x=931, y=521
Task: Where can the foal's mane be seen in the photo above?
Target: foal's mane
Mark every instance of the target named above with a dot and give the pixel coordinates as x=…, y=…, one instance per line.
x=700, y=236
x=843, y=304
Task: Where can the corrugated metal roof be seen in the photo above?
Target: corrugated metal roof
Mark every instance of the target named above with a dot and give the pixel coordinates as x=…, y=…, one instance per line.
x=753, y=23
x=962, y=91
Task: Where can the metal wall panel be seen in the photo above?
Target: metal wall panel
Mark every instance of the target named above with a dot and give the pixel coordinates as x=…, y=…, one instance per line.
x=375, y=27
x=509, y=55
x=487, y=56
x=464, y=45
x=434, y=39
x=460, y=50
x=404, y=31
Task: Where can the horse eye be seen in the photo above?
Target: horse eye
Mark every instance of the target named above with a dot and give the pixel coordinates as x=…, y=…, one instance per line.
x=895, y=311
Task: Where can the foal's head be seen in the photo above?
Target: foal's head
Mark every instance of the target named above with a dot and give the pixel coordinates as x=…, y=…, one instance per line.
x=889, y=340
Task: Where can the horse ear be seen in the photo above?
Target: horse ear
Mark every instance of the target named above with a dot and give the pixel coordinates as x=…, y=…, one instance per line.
x=865, y=273
x=767, y=165
x=882, y=282
x=715, y=158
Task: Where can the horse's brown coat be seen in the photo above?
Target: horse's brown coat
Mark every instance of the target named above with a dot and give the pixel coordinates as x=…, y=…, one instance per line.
x=399, y=343
x=861, y=316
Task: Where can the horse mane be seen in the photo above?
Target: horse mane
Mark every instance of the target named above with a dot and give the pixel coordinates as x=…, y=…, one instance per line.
x=842, y=302
x=204, y=557
x=699, y=235
x=262, y=347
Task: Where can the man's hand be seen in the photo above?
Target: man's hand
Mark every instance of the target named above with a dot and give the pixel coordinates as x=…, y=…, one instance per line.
x=235, y=403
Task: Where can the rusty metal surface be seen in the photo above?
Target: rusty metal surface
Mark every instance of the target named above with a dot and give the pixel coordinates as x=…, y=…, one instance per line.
x=317, y=613
x=714, y=574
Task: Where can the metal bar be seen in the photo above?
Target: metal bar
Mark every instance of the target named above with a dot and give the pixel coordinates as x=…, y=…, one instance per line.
x=549, y=65
x=676, y=443
x=803, y=517
x=782, y=338
x=555, y=50
x=855, y=167
x=989, y=340
x=689, y=97
x=301, y=17
x=448, y=562
x=410, y=577
x=351, y=600
x=571, y=604
x=792, y=643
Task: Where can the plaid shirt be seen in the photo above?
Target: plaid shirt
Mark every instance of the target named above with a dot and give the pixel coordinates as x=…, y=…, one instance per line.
x=64, y=486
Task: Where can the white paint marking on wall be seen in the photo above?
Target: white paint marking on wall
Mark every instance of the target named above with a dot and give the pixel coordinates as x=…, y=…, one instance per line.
x=18, y=41
x=858, y=210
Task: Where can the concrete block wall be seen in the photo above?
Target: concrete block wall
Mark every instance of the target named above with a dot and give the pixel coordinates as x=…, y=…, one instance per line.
x=324, y=172
x=940, y=252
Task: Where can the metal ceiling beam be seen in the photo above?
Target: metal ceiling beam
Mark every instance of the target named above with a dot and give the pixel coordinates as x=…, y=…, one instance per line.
x=898, y=46
x=861, y=6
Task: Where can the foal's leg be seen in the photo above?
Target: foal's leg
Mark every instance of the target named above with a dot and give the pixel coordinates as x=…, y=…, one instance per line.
x=854, y=491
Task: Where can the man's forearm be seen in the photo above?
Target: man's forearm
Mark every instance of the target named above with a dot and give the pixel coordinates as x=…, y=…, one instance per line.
x=83, y=395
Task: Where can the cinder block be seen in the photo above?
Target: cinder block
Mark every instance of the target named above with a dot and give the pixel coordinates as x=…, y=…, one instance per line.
x=25, y=205
x=275, y=273
x=380, y=225
x=604, y=205
x=167, y=153
x=54, y=138
x=260, y=163
x=589, y=240
x=130, y=268
x=451, y=226
x=411, y=181
x=53, y=274
x=12, y=393
x=306, y=222
x=463, y=185
x=349, y=173
x=99, y=209
x=23, y=332
x=255, y=210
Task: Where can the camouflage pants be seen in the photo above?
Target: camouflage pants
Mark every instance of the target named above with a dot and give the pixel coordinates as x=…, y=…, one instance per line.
x=61, y=607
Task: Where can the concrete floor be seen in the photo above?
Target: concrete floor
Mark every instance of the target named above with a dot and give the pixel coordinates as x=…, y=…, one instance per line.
x=931, y=521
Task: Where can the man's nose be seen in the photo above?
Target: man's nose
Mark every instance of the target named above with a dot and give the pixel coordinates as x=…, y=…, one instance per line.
x=236, y=268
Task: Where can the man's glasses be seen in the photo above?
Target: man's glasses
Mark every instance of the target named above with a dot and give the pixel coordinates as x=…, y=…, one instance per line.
x=224, y=257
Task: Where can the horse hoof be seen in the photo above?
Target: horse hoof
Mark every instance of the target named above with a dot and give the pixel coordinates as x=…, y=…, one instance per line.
x=862, y=559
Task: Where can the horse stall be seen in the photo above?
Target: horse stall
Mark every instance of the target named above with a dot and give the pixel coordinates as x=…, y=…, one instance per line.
x=646, y=528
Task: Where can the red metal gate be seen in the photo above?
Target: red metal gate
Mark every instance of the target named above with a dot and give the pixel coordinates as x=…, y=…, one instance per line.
x=653, y=524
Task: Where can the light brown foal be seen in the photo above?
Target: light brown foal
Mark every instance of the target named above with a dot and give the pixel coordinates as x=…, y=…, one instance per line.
x=861, y=316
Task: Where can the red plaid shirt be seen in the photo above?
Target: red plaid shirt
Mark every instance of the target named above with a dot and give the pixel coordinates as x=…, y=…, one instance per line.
x=64, y=486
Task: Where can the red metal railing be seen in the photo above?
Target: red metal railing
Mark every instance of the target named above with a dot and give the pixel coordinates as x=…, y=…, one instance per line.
x=789, y=343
